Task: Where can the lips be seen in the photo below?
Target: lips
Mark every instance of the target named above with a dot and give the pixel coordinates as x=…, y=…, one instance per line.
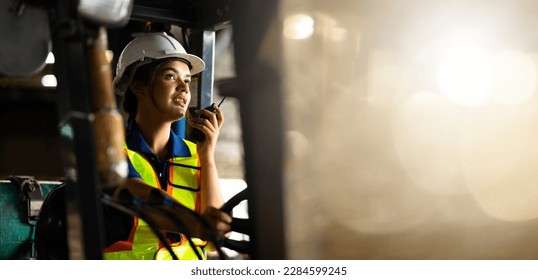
x=179, y=101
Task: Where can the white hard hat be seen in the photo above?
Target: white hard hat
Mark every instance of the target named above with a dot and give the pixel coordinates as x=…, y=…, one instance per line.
x=144, y=49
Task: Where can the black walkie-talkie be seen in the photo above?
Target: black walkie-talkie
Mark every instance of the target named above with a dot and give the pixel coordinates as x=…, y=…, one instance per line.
x=196, y=134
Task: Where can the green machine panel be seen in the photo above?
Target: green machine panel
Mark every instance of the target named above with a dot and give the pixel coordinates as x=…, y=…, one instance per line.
x=17, y=231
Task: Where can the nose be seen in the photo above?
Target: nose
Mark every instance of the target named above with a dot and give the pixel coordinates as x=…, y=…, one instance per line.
x=182, y=86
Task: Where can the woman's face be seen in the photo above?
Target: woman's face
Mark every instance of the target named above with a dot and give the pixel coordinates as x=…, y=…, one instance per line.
x=169, y=93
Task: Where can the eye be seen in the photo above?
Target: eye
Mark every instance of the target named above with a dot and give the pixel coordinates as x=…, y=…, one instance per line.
x=187, y=82
x=170, y=77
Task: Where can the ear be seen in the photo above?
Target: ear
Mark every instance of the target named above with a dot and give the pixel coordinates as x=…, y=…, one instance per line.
x=138, y=88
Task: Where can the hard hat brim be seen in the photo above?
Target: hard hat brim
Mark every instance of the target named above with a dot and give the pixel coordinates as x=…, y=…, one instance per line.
x=198, y=65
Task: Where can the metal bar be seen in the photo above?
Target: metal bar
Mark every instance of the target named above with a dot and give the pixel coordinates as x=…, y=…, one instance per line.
x=184, y=17
x=203, y=44
x=85, y=231
x=256, y=28
x=207, y=14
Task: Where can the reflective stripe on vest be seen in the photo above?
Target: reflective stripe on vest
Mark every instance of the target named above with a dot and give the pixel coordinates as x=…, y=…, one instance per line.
x=183, y=185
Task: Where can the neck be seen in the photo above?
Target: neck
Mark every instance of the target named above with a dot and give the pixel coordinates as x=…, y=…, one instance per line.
x=156, y=134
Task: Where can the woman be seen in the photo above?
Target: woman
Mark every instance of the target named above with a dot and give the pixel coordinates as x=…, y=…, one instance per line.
x=153, y=74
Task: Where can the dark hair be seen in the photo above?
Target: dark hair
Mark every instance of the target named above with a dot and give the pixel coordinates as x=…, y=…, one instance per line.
x=143, y=74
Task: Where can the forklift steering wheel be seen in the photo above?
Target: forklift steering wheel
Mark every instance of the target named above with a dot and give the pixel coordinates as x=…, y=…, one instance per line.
x=238, y=225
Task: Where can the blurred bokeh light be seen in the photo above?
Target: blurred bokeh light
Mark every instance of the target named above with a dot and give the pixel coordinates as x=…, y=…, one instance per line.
x=412, y=129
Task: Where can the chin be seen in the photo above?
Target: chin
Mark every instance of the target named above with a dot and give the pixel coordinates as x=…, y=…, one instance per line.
x=180, y=115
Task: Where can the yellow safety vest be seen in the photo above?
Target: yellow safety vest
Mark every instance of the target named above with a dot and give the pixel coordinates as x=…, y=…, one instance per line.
x=183, y=185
